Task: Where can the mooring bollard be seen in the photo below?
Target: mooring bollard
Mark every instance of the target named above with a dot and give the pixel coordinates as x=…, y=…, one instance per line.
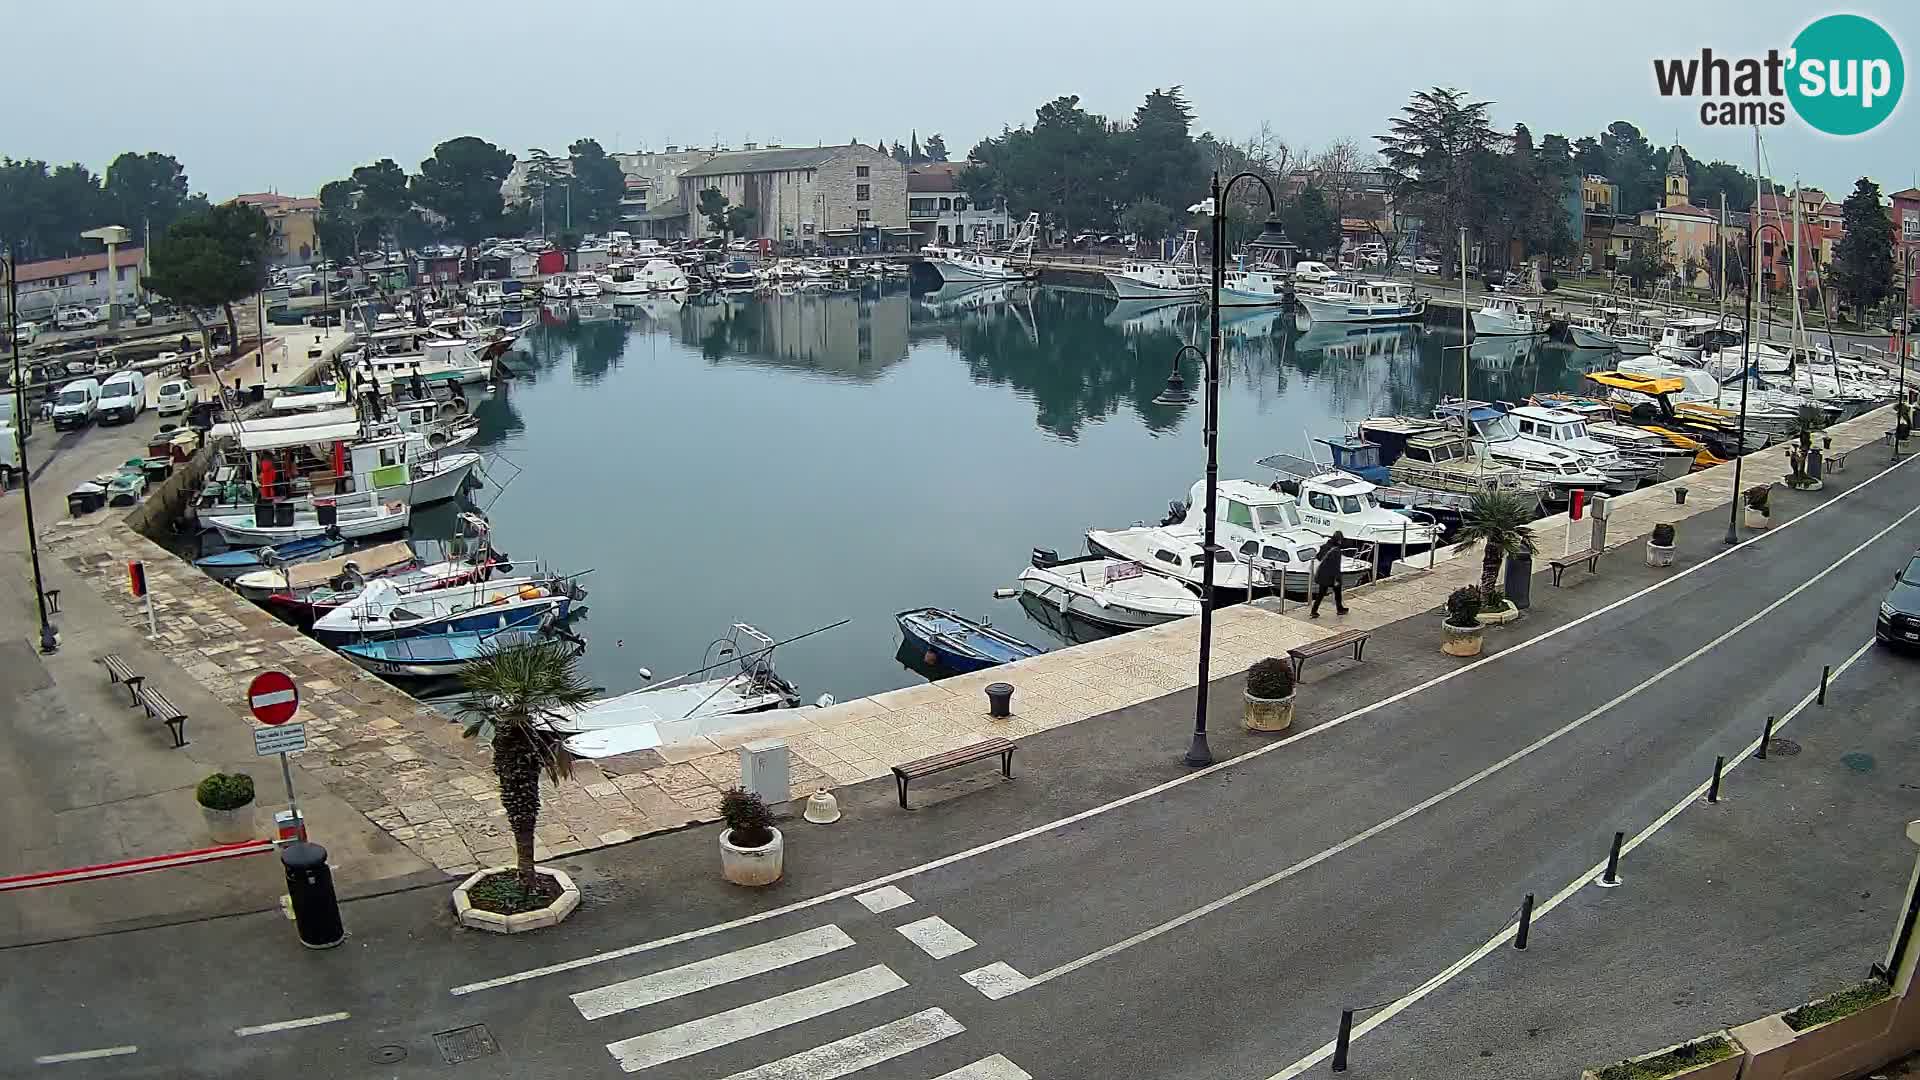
x=1526, y=922
x=1340, y=1042
x=1826, y=671
x=1612, y=877
x=1713, y=792
x=1766, y=736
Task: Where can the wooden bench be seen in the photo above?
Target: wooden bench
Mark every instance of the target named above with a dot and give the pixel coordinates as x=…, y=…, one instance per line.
x=1303, y=653
x=159, y=708
x=1835, y=460
x=1574, y=558
x=979, y=751
x=118, y=671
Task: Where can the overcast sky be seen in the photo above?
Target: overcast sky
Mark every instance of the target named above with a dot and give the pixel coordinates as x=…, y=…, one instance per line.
x=252, y=97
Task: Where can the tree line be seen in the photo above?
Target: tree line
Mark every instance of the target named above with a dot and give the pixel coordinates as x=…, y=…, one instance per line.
x=44, y=209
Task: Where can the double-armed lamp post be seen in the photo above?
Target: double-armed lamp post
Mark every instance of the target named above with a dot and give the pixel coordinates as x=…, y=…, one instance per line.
x=49, y=638
x=1198, y=754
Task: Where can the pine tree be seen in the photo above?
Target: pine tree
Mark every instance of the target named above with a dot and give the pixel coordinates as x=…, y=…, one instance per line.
x=1863, y=262
x=914, y=155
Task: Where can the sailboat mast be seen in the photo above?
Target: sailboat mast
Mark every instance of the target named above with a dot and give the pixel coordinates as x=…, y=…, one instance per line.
x=1722, y=245
x=1466, y=330
x=1798, y=348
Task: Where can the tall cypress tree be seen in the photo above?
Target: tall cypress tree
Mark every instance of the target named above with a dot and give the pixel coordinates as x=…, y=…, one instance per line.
x=1863, y=262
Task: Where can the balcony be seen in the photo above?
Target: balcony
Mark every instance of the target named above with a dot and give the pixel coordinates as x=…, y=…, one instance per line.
x=925, y=215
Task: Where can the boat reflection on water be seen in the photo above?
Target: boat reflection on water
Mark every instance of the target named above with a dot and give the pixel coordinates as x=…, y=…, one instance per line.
x=1503, y=353
x=1070, y=629
x=1358, y=341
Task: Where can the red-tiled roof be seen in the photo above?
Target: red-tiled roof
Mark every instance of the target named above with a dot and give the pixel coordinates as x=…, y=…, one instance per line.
x=935, y=176
x=79, y=264
x=1684, y=209
x=1910, y=193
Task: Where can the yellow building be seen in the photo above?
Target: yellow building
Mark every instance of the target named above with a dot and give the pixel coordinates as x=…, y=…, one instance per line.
x=1685, y=229
x=292, y=220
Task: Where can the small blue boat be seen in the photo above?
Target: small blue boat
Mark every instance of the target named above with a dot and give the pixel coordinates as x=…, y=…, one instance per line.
x=957, y=644
x=231, y=564
x=433, y=655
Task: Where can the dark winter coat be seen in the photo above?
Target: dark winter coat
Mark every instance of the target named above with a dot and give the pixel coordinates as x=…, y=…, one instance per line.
x=1327, y=569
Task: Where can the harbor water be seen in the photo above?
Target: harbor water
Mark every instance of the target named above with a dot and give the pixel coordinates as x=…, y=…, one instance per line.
x=793, y=460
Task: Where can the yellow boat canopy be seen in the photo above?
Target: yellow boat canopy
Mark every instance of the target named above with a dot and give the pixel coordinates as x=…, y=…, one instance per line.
x=1645, y=384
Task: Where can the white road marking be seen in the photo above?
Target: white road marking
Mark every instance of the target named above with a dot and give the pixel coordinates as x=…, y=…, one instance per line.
x=855, y=1052
x=758, y=1018
x=1453, y=970
x=884, y=899
x=1432, y=800
x=289, y=1025
x=1146, y=793
x=936, y=937
x=86, y=1055
x=988, y=1068
x=996, y=980
x=714, y=971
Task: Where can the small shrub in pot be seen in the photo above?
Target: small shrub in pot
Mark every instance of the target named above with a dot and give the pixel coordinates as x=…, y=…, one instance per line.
x=747, y=817
x=1663, y=534
x=225, y=791
x=752, y=852
x=1270, y=679
x=1463, y=634
x=1759, y=498
x=1463, y=607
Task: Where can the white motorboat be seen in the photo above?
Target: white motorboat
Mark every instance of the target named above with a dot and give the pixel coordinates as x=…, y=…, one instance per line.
x=1177, y=278
x=1364, y=302
x=740, y=682
x=367, y=562
x=1011, y=263
x=569, y=287
x=334, y=463
x=353, y=523
x=1592, y=331
x=1424, y=454
x=654, y=276
x=1265, y=529
x=1119, y=594
x=1496, y=439
x=1670, y=461
x=1567, y=430
x=1680, y=338
x=384, y=610
x=486, y=294
x=1174, y=550
x=1329, y=499
x=391, y=355
x=1503, y=315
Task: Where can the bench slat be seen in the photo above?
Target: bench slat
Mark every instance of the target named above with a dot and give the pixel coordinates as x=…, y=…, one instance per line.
x=1330, y=644
x=1573, y=557
x=950, y=758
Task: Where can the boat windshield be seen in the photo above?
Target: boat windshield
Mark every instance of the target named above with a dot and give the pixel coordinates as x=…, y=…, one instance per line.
x=1278, y=516
x=1499, y=428
x=1350, y=504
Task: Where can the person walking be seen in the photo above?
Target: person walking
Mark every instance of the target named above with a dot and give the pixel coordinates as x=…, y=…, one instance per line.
x=1326, y=575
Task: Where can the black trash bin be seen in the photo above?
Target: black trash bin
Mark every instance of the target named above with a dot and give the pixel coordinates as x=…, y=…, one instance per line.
x=316, y=911
x=999, y=700
x=283, y=513
x=264, y=515
x=327, y=511
x=1519, y=582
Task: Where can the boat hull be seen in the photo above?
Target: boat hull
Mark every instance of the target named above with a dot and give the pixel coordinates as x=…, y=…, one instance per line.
x=1324, y=309
x=243, y=532
x=488, y=619
x=1584, y=338
x=1081, y=605
x=955, y=272
x=1494, y=324
x=1127, y=288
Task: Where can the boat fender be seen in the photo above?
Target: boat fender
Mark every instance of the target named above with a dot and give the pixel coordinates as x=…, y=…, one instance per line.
x=532, y=592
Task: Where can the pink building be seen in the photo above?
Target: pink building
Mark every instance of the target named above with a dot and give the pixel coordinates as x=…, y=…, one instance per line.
x=1906, y=237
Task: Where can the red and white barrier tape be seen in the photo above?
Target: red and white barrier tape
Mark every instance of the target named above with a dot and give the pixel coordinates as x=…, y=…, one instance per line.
x=135, y=866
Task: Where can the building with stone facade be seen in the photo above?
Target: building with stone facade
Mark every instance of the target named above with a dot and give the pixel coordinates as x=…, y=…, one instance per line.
x=850, y=197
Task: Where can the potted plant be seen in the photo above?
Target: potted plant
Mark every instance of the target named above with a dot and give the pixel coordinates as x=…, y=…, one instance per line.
x=1660, y=545
x=751, y=849
x=1498, y=520
x=515, y=696
x=1464, y=634
x=1758, y=500
x=1269, y=696
x=226, y=801
x=1495, y=608
x=1804, y=460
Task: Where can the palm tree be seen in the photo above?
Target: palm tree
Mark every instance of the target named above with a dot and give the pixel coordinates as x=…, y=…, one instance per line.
x=517, y=694
x=1500, y=519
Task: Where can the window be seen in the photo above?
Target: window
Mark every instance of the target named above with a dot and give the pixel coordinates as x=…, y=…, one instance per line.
x=1274, y=554
x=946, y=204
x=93, y=277
x=1277, y=517
x=387, y=457
x=1166, y=556
x=865, y=215
x=1250, y=549
x=1349, y=504
x=862, y=192
x=1322, y=501
x=999, y=232
x=862, y=170
x=959, y=204
x=1239, y=513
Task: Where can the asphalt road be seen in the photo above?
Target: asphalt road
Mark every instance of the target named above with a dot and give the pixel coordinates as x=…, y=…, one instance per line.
x=1207, y=925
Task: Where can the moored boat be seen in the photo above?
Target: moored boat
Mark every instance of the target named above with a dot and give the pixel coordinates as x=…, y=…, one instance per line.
x=1118, y=594
x=958, y=644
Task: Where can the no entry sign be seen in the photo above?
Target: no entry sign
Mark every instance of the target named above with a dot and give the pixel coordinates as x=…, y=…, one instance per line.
x=273, y=697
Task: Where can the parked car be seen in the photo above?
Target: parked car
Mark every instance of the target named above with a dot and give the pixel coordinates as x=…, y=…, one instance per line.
x=142, y=316
x=175, y=396
x=75, y=318
x=122, y=397
x=1899, y=620
x=74, y=405
x=1425, y=266
x=1312, y=273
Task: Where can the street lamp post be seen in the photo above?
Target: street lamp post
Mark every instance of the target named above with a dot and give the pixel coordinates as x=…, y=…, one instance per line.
x=1198, y=753
x=49, y=639
x=1902, y=409
x=1746, y=376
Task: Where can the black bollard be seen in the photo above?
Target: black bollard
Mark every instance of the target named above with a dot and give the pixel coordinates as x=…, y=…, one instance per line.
x=1341, y=1041
x=1713, y=792
x=1526, y=923
x=1766, y=736
x=1612, y=877
x=316, y=911
x=1826, y=670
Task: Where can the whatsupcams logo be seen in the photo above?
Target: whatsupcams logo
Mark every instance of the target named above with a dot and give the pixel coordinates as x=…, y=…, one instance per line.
x=1842, y=75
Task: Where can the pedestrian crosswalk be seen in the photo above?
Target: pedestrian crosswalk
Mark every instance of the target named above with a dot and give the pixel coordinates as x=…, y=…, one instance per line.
x=779, y=961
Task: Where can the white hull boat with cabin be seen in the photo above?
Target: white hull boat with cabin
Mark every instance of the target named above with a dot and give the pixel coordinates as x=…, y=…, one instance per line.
x=1264, y=529
x=1118, y=594
x=1503, y=315
x=1178, y=278
x=1364, y=302
x=1329, y=499
x=1174, y=550
x=961, y=264
x=353, y=523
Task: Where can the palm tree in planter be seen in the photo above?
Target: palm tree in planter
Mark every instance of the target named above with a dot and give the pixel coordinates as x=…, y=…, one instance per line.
x=1500, y=521
x=1807, y=421
x=517, y=693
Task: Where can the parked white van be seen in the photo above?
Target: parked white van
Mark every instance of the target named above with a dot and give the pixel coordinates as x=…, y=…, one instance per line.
x=75, y=318
x=175, y=396
x=123, y=396
x=74, y=405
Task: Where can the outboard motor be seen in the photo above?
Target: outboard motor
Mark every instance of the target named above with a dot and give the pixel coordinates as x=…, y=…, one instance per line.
x=1045, y=557
x=1176, y=513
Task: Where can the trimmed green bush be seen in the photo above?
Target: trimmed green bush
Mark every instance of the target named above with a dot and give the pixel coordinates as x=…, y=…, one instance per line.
x=1663, y=535
x=1463, y=607
x=1270, y=678
x=225, y=791
x=1836, y=1005
x=747, y=815
x=1699, y=1052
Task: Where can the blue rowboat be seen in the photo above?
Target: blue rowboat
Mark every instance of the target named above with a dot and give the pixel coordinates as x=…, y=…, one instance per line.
x=231, y=564
x=957, y=644
x=433, y=655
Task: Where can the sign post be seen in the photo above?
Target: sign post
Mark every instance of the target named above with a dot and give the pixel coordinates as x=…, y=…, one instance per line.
x=1575, y=506
x=274, y=699
x=137, y=585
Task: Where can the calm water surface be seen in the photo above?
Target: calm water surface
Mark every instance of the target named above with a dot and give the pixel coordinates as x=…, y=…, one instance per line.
x=794, y=460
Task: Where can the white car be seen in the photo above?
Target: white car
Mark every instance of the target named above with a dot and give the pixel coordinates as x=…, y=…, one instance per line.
x=1425, y=266
x=75, y=318
x=175, y=396
x=1312, y=273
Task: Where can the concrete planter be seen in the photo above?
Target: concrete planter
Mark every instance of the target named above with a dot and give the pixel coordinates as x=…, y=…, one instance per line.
x=752, y=866
x=1506, y=614
x=1462, y=640
x=1727, y=1068
x=229, y=826
x=475, y=919
x=1849, y=1046
x=1659, y=554
x=1756, y=519
x=1267, y=714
